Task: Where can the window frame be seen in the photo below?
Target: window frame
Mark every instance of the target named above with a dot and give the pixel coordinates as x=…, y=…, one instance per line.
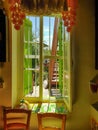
x=34, y=99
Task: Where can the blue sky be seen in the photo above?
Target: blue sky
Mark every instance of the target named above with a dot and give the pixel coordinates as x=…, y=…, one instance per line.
x=46, y=28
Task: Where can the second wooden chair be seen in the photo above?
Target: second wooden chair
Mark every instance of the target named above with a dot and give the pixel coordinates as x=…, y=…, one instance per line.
x=52, y=121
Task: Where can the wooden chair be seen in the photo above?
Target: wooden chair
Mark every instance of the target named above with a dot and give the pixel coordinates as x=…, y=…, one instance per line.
x=51, y=121
x=16, y=119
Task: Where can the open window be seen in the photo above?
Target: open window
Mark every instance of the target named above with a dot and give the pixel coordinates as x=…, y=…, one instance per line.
x=47, y=57
x=41, y=50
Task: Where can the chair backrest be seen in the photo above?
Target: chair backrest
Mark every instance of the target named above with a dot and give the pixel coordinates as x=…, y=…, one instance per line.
x=16, y=119
x=51, y=121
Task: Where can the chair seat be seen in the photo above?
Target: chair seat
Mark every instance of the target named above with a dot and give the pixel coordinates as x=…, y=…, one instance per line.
x=14, y=125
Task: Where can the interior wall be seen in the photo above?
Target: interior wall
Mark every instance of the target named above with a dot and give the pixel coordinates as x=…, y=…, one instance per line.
x=5, y=73
x=17, y=65
x=14, y=65
x=5, y=92
x=84, y=66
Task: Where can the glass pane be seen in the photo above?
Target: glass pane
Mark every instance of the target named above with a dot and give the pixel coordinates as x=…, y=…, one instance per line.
x=48, y=30
x=67, y=73
x=53, y=58
x=52, y=78
x=66, y=69
x=31, y=56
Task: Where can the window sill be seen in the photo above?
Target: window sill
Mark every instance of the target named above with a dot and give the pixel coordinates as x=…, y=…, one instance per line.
x=45, y=107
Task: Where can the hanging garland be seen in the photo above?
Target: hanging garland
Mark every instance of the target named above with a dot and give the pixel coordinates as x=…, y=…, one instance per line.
x=69, y=16
x=16, y=14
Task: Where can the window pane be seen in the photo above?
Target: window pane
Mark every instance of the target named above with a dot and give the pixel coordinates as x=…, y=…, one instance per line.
x=48, y=30
x=31, y=57
x=53, y=58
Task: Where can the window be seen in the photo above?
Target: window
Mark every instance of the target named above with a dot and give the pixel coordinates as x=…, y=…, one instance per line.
x=47, y=71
